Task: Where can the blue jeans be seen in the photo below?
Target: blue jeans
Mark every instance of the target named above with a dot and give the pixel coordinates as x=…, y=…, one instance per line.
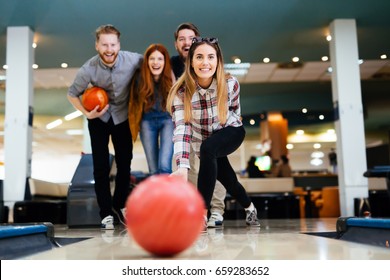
x=156, y=136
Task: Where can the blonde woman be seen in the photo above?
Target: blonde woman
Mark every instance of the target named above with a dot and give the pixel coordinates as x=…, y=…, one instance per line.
x=205, y=107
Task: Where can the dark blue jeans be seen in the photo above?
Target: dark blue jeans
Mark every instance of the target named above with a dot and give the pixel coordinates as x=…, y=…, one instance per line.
x=100, y=133
x=214, y=164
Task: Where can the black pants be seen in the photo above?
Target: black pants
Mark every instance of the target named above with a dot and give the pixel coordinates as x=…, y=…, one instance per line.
x=100, y=133
x=214, y=164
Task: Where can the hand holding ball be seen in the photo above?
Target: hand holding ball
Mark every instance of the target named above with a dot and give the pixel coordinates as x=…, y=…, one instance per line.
x=93, y=97
x=164, y=214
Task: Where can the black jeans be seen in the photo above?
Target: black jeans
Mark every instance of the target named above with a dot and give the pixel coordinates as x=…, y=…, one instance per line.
x=214, y=164
x=100, y=133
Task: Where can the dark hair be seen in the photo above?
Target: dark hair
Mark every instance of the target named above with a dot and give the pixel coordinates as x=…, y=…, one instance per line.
x=106, y=29
x=186, y=25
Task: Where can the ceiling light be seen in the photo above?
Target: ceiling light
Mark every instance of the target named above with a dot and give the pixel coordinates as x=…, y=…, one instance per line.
x=266, y=60
x=328, y=38
x=304, y=110
x=237, y=60
x=295, y=59
x=5, y=66
x=35, y=66
x=324, y=58
x=34, y=45
x=73, y=115
x=316, y=145
x=252, y=122
x=74, y=132
x=237, y=69
x=290, y=146
x=317, y=154
x=316, y=162
x=54, y=124
x=331, y=131
x=64, y=65
x=329, y=70
x=360, y=61
x=300, y=132
x=321, y=117
x=383, y=56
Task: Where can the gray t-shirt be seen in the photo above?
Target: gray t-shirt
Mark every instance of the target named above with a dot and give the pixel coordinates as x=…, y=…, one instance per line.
x=115, y=80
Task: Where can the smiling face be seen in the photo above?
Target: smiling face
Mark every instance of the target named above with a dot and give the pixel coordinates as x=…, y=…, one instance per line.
x=184, y=42
x=108, y=47
x=156, y=64
x=204, y=62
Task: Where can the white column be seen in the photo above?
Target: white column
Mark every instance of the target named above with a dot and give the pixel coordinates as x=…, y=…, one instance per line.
x=18, y=113
x=349, y=123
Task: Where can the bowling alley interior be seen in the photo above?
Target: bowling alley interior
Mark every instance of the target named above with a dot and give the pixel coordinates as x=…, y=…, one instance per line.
x=314, y=88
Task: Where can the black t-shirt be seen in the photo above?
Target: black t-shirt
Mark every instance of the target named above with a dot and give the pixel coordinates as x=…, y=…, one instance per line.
x=177, y=65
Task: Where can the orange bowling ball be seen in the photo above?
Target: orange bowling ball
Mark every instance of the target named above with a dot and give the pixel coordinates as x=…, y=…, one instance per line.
x=93, y=97
x=164, y=214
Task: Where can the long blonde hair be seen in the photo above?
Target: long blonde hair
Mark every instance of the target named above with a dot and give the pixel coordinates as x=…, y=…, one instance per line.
x=188, y=82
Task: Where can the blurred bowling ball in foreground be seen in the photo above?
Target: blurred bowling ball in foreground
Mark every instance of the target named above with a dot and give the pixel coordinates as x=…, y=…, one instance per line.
x=164, y=214
x=93, y=97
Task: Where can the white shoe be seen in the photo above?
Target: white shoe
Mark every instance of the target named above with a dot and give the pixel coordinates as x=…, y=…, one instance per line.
x=107, y=223
x=215, y=220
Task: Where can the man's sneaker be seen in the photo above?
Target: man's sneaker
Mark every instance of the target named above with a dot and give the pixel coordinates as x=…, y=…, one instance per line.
x=107, y=222
x=251, y=218
x=121, y=215
x=215, y=220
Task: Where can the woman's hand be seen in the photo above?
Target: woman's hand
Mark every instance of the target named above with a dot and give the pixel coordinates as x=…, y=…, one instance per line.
x=181, y=172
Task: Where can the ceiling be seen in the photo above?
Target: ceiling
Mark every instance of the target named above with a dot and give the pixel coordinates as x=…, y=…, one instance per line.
x=248, y=29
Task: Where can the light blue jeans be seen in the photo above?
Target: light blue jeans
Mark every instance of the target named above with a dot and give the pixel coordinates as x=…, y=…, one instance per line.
x=156, y=137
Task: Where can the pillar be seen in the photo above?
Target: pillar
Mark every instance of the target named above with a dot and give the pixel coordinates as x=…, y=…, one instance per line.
x=18, y=113
x=348, y=108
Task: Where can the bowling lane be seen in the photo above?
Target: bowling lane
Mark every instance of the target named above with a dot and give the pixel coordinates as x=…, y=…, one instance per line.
x=275, y=240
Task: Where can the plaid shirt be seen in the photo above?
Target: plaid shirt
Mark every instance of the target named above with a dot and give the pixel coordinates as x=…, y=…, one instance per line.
x=204, y=118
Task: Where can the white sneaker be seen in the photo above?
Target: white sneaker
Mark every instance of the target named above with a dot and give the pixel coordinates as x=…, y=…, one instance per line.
x=215, y=220
x=107, y=223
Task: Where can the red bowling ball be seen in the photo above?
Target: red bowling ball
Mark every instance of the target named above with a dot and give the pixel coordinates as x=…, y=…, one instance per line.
x=164, y=214
x=93, y=97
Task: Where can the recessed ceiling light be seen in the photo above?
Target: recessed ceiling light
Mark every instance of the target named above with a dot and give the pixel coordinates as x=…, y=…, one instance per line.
x=328, y=38
x=266, y=60
x=5, y=66
x=324, y=58
x=321, y=117
x=64, y=65
x=316, y=145
x=34, y=45
x=383, y=56
x=295, y=59
x=304, y=110
x=35, y=66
